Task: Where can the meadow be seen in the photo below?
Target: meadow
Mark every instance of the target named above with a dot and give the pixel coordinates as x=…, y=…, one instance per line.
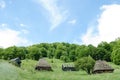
x=27, y=72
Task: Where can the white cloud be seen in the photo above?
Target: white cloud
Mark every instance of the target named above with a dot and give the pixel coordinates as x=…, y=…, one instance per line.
x=22, y=25
x=3, y=25
x=25, y=31
x=9, y=37
x=72, y=21
x=57, y=16
x=2, y=4
x=108, y=26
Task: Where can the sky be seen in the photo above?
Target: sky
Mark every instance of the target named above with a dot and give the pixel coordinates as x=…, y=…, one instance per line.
x=27, y=22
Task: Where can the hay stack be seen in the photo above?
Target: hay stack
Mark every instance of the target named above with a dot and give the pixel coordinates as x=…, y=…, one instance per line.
x=43, y=65
x=102, y=67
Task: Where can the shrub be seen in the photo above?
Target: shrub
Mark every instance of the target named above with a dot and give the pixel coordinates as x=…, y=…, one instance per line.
x=85, y=63
x=116, y=56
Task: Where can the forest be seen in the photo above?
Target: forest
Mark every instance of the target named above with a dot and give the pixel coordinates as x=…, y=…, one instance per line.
x=65, y=51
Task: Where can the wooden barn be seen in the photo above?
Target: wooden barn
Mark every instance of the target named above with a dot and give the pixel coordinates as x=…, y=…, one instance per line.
x=102, y=67
x=43, y=65
x=68, y=67
x=16, y=61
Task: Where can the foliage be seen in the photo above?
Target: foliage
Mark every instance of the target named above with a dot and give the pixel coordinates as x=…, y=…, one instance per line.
x=85, y=63
x=116, y=56
x=13, y=52
x=100, y=53
x=64, y=51
x=72, y=55
x=104, y=51
x=65, y=58
x=1, y=53
x=34, y=53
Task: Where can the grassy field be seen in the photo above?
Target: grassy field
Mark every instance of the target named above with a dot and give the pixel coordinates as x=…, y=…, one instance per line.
x=27, y=72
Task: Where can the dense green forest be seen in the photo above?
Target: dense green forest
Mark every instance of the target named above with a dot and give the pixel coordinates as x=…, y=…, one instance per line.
x=65, y=51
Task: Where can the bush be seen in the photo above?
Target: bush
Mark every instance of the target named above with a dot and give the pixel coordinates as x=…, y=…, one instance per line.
x=65, y=58
x=85, y=63
x=116, y=56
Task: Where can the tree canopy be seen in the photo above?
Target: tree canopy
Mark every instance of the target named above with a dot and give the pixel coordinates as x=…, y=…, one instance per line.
x=85, y=63
x=64, y=51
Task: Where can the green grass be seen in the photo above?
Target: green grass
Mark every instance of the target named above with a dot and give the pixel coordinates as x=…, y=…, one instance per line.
x=27, y=72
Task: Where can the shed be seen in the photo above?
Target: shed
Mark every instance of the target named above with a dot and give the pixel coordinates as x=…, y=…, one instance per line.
x=102, y=67
x=43, y=65
x=16, y=61
x=68, y=67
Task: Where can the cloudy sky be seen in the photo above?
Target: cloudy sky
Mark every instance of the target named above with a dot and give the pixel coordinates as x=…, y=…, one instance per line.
x=27, y=22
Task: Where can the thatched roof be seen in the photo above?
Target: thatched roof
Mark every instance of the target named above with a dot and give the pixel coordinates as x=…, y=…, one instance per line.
x=43, y=63
x=102, y=66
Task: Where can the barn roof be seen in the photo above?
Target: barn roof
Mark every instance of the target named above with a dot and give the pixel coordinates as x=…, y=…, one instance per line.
x=16, y=60
x=43, y=63
x=102, y=65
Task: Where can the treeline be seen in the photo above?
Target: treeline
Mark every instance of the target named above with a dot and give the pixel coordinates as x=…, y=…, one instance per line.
x=65, y=51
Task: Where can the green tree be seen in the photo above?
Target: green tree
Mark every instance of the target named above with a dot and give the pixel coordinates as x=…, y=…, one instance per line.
x=106, y=49
x=85, y=63
x=21, y=52
x=72, y=55
x=34, y=53
x=1, y=53
x=10, y=52
x=50, y=53
x=92, y=51
x=115, y=44
x=65, y=58
x=116, y=56
x=43, y=51
x=82, y=51
x=101, y=54
x=105, y=45
x=58, y=53
x=60, y=50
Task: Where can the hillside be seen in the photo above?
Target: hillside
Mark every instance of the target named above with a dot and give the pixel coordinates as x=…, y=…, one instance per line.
x=27, y=72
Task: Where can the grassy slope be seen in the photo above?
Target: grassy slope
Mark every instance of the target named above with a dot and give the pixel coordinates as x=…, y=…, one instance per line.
x=27, y=72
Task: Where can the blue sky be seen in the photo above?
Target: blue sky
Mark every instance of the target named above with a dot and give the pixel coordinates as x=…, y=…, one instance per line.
x=27, y=22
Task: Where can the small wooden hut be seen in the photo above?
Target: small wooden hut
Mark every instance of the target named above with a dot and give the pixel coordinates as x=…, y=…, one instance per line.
x=43, y=65
x=68, y=67
x=16, y=61
x=102, y=67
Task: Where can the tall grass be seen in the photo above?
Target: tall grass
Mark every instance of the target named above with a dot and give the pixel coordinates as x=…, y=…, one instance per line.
x=27, y=72
x=8, y=72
